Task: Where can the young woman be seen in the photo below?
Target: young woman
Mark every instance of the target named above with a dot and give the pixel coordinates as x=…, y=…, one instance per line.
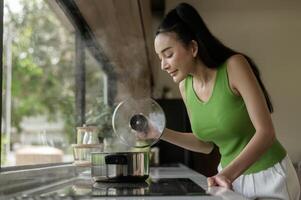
x=228, y=105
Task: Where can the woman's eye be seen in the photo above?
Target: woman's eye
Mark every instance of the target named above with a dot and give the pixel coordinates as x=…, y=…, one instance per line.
x=169, y=55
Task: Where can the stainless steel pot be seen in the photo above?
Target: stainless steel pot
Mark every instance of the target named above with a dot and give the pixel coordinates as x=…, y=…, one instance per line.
x=138, y=123
x=120, y=166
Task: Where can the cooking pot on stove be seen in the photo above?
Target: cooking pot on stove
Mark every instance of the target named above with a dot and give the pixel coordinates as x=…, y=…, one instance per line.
x=138, y=123
x=120, y=166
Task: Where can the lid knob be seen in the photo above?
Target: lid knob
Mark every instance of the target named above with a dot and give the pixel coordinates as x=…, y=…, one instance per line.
x=134, y=122
x=139, y=123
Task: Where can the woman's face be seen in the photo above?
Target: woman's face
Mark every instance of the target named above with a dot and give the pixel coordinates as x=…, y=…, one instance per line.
x=176, y=58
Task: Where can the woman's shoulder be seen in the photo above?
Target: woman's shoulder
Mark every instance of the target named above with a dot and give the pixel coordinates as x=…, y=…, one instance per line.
x=183, y=83
x=236, y=62
x=238, y=68
x=182, y=88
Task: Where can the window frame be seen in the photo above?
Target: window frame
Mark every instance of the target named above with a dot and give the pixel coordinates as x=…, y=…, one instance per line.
x=1, y=70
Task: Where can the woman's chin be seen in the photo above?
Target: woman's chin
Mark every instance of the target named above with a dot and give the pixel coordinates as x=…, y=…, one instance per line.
x=177, y=79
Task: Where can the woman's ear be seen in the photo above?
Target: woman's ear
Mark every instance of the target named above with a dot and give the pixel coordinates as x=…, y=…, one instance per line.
x=194, y=48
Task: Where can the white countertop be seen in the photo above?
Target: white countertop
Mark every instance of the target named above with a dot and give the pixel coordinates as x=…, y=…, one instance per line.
x=184, y=172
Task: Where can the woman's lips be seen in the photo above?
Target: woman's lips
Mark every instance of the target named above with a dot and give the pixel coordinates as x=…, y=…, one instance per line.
x=173, y=73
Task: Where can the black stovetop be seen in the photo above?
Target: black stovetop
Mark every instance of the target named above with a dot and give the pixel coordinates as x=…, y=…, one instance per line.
x=153, y=187
x=81, y=189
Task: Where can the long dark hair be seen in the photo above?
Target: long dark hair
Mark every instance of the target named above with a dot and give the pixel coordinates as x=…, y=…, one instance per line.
x=186, y=22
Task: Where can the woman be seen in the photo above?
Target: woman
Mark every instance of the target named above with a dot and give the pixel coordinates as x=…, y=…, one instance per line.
x=228, y=105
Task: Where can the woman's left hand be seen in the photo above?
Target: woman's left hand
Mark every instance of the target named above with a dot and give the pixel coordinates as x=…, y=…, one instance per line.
x=219, y=180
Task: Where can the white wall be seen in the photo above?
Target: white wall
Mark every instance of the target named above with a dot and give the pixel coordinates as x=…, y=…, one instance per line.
x=269, y=32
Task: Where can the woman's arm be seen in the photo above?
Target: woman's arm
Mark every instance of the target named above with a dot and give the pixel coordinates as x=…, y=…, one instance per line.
x=244, y=83
x=186, y=141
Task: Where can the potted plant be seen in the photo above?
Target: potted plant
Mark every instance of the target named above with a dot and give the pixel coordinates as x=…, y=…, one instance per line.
x=100, y=115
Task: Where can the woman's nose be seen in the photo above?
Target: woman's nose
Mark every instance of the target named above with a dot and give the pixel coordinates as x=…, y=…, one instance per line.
x=164, y=64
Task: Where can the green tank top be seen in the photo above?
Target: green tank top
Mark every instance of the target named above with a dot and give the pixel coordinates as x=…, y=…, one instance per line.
x=224, y=120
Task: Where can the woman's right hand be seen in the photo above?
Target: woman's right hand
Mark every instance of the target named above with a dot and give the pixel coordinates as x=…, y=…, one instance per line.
x=151, y=132
x=219, y=180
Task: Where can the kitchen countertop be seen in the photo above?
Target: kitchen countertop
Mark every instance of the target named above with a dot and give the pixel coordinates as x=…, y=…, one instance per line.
x=180, y=171
x=185, y=172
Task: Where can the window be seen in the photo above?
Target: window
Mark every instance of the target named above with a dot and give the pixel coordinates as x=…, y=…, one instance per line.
x=39, y=109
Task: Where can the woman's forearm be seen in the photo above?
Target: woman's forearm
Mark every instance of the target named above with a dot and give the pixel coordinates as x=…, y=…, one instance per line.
x=187, y=141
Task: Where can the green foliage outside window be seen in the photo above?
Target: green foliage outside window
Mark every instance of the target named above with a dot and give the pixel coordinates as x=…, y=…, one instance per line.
x=43, y=66
x=100, y=115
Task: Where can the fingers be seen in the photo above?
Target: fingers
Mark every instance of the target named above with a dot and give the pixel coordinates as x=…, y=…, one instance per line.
x=224, y=182
x=219, y=181
x=211, y=182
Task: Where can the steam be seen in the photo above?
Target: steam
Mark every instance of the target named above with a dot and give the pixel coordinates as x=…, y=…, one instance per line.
x=130, y=63
x=127, y=57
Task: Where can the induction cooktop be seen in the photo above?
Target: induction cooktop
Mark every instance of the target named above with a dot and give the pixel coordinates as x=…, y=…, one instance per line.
x=153, y=187
x=83, y=189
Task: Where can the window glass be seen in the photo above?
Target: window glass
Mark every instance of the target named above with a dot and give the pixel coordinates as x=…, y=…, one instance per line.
x=41, y=93
x=98, y=113
x=38, y=91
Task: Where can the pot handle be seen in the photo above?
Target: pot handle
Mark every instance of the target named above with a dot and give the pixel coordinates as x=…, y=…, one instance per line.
x=116, y=159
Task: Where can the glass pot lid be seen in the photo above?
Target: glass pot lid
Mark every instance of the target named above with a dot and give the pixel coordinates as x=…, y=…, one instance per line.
x=138, y=122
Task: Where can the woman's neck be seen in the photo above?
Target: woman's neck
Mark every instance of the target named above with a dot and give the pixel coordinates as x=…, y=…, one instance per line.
x=203, y=74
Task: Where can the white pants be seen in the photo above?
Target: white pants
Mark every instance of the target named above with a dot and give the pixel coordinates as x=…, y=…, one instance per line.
x=277, y=182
